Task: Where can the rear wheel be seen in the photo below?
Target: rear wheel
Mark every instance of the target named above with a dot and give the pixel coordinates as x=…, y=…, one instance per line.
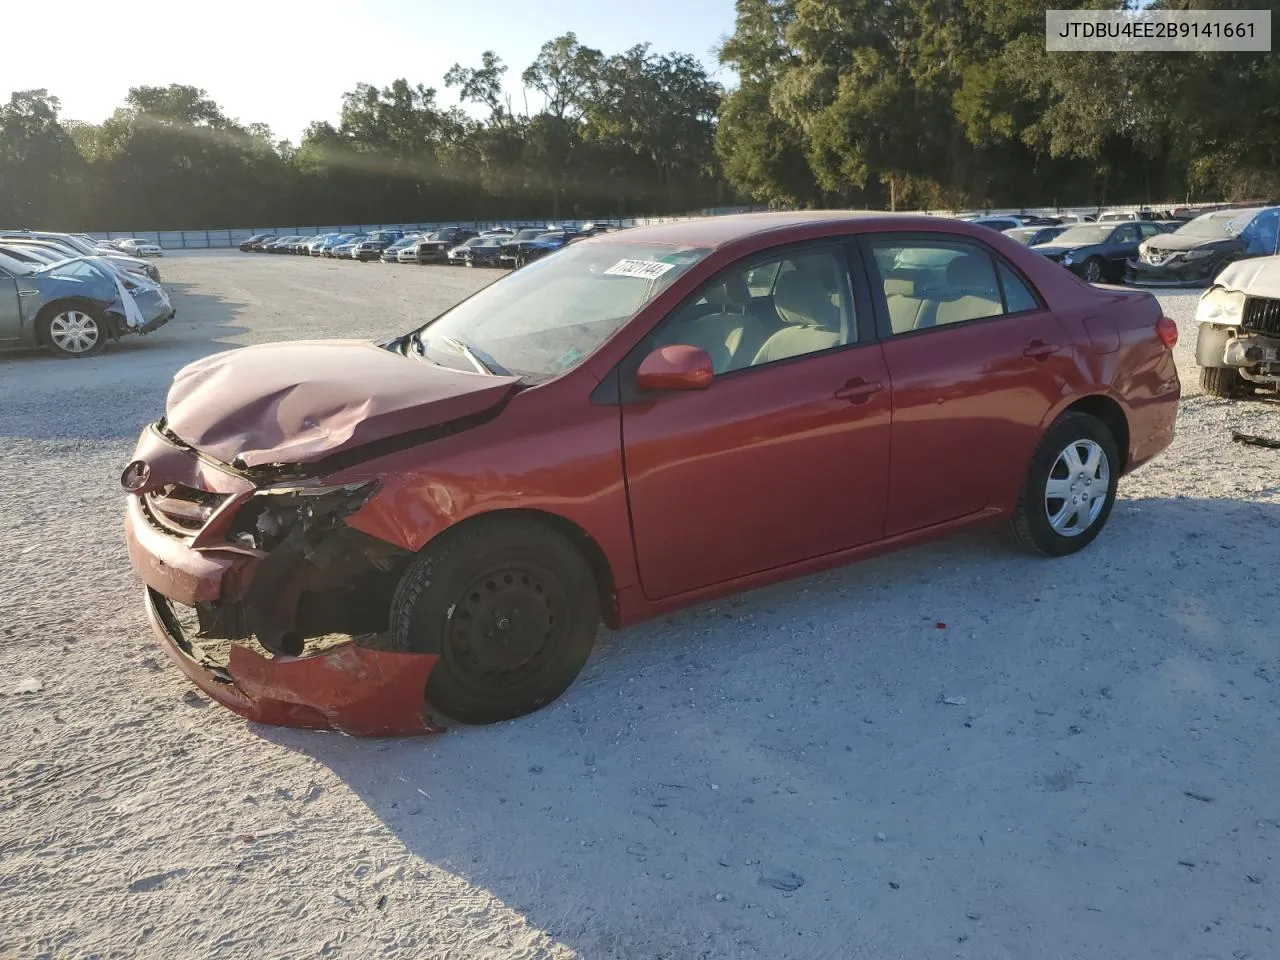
x=74, y=329
x=1224, y=382
x=512, y=609
x=1070, y=487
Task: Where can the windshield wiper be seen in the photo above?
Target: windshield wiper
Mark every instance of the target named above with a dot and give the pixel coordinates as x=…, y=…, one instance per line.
x=480, y=360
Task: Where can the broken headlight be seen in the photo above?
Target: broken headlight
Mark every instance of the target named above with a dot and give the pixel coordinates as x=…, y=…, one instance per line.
x=274, y=513
x=1220, y=306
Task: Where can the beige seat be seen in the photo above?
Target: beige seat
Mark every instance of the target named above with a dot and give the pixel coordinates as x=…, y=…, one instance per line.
x=971, y=293
x=812, y=320
x=727, y=332
x=905, y=307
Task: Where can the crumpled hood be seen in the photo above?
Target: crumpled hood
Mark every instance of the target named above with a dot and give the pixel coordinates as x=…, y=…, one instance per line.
x=1255, y=277
x=300, y=401
x=1175, y=241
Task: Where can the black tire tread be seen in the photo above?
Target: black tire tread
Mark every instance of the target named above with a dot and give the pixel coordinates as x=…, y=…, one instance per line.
x=1223, y=382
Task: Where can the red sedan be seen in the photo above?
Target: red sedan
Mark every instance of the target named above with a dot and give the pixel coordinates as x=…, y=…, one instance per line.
x=368, y=537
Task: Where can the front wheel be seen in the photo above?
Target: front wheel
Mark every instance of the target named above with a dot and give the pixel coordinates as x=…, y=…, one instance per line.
x=511, y=607
x=1224, y=382
x=1093, y=270
x=1070, y=487
x=74, y=329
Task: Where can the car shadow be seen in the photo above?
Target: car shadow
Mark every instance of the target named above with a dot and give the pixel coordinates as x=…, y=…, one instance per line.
x=924, y=728
x=130, y=375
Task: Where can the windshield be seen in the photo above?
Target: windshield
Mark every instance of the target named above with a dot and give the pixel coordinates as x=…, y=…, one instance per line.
x=1217, y=226
x=1086, y=233
x=544, y=319
x=528, y=234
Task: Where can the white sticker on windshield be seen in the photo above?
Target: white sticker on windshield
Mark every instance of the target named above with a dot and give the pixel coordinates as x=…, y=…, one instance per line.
x=645, y=269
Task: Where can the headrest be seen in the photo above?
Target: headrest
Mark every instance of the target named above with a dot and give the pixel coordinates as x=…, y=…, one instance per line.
x=802, y=300
x=899, y=287
x=970, y=272
x=732, y=293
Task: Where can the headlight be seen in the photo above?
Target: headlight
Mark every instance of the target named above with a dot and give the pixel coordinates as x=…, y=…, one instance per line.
x=1067, y=259
x=272, y=513
x=1220, y=306
x=1199, y=254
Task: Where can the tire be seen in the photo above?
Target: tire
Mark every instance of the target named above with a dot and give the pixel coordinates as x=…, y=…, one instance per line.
x=1224, y=382
x=1049, y=525
x=1093, y=270
x=492, y=575
x=73, y=329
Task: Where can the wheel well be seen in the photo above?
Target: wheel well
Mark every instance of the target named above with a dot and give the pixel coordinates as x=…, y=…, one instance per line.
x=583, y=541
x=1112, y=416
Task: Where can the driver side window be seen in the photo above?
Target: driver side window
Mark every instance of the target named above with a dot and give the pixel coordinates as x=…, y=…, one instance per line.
x=760, y=311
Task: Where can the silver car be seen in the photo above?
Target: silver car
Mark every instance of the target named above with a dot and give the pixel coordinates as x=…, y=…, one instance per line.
x=74, y=306
x=75, y=247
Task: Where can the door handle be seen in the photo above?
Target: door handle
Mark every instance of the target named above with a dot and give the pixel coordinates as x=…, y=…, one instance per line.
x=858, y=390
x=1039, y=350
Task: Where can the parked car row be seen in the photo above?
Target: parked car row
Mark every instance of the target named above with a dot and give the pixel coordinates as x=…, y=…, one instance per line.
x=1158, y=253
x=70, y=294
x=508, y=247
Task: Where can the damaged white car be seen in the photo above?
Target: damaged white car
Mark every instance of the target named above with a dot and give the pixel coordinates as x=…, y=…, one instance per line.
x=1238, y=346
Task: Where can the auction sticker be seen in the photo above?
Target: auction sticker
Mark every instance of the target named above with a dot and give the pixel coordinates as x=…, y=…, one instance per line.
x=645, y=269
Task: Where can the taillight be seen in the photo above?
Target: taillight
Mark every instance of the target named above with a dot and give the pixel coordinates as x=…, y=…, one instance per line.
x=1167, y=331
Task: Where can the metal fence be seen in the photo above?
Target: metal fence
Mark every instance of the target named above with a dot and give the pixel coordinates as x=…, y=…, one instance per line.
x=221, y=239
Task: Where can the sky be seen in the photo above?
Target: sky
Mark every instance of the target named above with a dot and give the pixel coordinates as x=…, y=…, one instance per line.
x=286, y=64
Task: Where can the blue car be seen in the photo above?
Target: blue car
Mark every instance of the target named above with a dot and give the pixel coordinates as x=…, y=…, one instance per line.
x=73, y=307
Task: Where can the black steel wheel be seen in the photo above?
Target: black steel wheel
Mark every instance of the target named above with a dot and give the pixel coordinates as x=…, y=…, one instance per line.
x=511, y=607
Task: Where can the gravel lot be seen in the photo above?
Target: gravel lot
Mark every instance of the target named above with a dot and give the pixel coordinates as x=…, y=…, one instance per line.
x=1107, y=788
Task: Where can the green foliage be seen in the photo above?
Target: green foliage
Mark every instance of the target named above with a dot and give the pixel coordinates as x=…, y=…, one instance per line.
x=956, y=102
x=876, y=103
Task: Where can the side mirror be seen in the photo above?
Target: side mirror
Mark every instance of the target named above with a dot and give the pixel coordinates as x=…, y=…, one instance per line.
x=676, y=367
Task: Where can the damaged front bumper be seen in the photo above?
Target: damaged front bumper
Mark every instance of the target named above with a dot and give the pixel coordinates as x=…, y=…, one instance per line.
x=257, y=602
x=349, y=688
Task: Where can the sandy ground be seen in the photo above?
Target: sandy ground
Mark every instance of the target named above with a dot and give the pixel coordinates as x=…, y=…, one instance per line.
x=1107, y=789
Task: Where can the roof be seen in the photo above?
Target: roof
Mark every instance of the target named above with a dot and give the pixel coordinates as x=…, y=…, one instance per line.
x=718, y=231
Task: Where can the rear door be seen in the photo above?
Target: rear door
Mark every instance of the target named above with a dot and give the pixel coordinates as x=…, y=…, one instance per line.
x=973, y=377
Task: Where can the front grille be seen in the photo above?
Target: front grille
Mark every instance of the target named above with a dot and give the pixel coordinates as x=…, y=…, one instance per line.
x=1261, y=315
x=1156, y=256
x=180, y=509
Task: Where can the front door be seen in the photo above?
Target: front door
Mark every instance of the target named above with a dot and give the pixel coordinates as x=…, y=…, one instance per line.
x=1123, y=247
x=974, y=373
x=10, y=310
x=785, y=455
